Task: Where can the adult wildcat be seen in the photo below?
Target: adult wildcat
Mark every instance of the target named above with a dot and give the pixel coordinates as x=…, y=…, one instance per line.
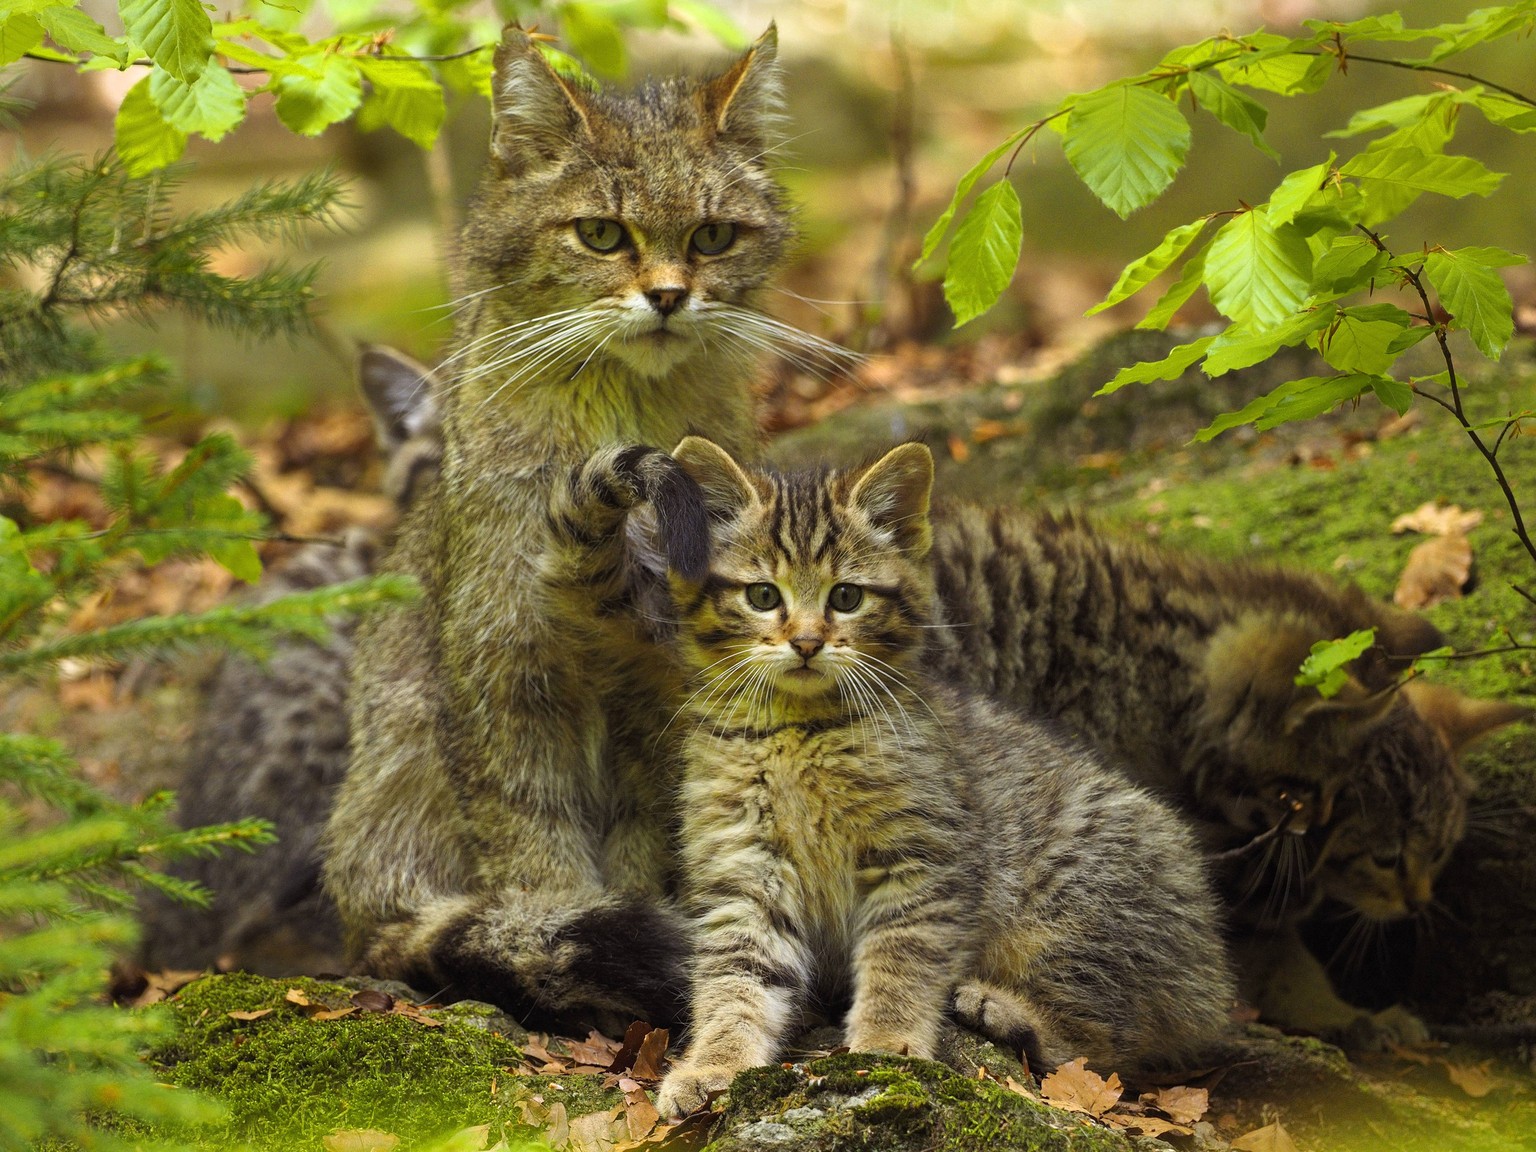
x=502, y=830
x=854, y=827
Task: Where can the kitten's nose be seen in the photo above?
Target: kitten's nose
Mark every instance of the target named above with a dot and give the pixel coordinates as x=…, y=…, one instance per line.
x=807, y=646
x=666, y=300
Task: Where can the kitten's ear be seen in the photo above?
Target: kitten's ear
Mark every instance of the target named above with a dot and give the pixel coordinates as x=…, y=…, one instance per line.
x=399, y=392
x=747, y=99
x=894, y=492
x=728, y=490
x=1461, y=720
x=536, y=113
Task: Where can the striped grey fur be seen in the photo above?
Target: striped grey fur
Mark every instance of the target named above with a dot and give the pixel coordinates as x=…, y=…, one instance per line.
x=853, y=829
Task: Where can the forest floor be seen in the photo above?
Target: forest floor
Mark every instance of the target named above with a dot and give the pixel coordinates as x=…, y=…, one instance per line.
x=1321, y=495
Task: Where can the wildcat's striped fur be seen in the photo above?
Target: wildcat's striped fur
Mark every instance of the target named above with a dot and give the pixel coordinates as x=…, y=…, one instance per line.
x=1183, y=668
x=852, y=828
x=497, y=834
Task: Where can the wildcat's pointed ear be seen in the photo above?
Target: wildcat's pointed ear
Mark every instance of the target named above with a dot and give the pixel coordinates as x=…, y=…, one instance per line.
x=894, y=493
x=535, y=111
x=747, y=99
x=728, y=490
x=1461, y=720
x=399, y=393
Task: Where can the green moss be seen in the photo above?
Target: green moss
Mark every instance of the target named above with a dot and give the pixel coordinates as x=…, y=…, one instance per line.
x=888, y=1103
x=289, y=1080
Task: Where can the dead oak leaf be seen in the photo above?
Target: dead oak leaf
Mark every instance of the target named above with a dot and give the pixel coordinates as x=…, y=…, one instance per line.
x=634, y=1036
x=1270, y=1138
x=296, y=996
x=598, y=1131
x=159, y=985
x=558, y=1130
x=1476, y=1080
x=1434, y=519
x=1077, y=1089
x=1153, y=1126
x=1438, y=569
x=640, y=1115
x=652, y=1054
x=1180, y=1104
x=359, y=1140
x=595, y=1049
x=255, y=1015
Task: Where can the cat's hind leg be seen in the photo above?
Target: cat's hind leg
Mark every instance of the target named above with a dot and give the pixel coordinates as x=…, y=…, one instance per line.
x=1009, y=1020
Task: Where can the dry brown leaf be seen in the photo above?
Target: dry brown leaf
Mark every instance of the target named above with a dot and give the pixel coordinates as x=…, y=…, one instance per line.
x=256, y=1015
x=652, y=1054
x=1270, y=1138
x=1075, y=1088
x=1434, y=519
x=359, y=1140
x=333, y=1013
x=595, y=1049
x=1476, y=1080
x=959, y=450
x=634, y=1036
x=639, y=1113
x=536, y=1047
x=1412, y=1055
x=296, y=996
x=1180, y=1104
x=1144, y=1125
x=598, y=1131
x=1437, y=570
x=1019, y=1089
x=558, y=1131
x=412, y=1012
x=159, y=985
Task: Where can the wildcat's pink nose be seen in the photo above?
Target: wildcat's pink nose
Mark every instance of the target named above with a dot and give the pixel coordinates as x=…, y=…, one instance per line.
x=807, y=646
x=667, y=300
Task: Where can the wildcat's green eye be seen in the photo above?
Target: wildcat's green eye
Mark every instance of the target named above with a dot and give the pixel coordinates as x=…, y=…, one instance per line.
x=713, y=239
x=763, y=597
x=845, y=597
x=601, y=235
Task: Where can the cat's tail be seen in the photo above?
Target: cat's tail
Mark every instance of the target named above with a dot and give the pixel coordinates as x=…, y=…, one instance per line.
x=606, y=962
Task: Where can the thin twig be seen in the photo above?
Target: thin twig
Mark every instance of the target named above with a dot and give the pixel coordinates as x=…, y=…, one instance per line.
x=1258, y=841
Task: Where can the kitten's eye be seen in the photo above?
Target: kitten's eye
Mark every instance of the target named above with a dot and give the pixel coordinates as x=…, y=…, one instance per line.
x=763, y=597
x=845, y=597
x=601, y=235
x=713, y=239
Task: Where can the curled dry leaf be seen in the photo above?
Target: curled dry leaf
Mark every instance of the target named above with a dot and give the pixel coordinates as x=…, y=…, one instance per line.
x=1270, y=1138
x=595, y=1049
x=1476, y=1080
x=332, y=1013
x=640, y=1114
x=652, y=1055
x=296, y=996
x=1433, y=519
x=360, y=1140
x=1438, y=569
x=634, y=1036
x=558, y=1132
x=159, y=985
x=1181, y=1105
x=1153, y=1126
x=256, y=1015
x=1075, y=1088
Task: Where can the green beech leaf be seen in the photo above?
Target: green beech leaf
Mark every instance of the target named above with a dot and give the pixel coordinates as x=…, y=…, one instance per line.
x=144, y=140
x=177, y=34
x=1454, y=176
x=72, y=29
x=1292, y=193
x=1361, y=339
x=1256, y=271
x=1275, y=69
x=1474, y=294
x=1349, y=263
x=593, y=36
x=1393, y=393
x=1239, y=112
x=962, y=189
x=1293, y=400
x=1506, y=111
x=320, y=90
x=1126, y=143
x=708, y=18
x=1139, y=273
x=1243, y=345
x=211, y=107
x=985, y=252
x=1190, y=278
x=404, y=96
x=19, y=34
x=1479, y=27
x=1170, y=367
x=1324, y=668
x=1408, y=337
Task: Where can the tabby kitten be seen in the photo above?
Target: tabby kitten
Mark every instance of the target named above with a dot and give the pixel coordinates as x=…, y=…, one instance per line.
x=270, y=739
x=1183, y=670
x=853, y=827
x=501, y=831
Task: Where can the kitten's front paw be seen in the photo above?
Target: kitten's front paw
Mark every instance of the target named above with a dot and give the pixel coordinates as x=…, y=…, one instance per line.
x=1376, y=1033
x=688, y=1088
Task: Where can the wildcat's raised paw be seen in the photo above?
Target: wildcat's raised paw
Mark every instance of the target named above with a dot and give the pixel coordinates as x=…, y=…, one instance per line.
x=690, y=1087
x=1379, y=1031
